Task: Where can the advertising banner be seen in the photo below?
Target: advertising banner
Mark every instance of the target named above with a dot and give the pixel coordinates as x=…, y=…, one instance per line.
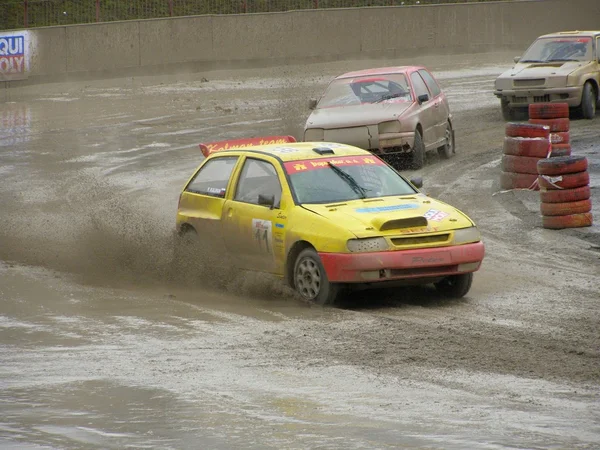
x=14, y=55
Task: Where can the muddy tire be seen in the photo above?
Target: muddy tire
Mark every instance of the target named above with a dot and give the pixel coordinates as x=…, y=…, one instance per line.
x=527, y=130
x=511, y=180
x=562, y=165
x=560, y=150
x=548, y=110
x=418, y=152
x=566, y=195
x=528, y=147
x=520, y=164
x=570, y=221
x=560, y=138
x=447, y=150
x=310, y=279
x=455, y=286
x=565, y=209
x=568, y=181
x=587, y=108
x=508, y=113
x=556, y=125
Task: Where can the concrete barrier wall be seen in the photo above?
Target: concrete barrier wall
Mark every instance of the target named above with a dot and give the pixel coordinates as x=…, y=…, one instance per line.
x=204, y=42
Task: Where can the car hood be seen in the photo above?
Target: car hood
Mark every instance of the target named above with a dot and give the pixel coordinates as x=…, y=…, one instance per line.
x=541, y=70
x=386, y=216
x=355, y=115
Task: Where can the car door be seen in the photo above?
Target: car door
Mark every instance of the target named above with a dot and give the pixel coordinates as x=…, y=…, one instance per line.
x=253, y=226
x=427, y=110
x=202, y=201
x=440, y=107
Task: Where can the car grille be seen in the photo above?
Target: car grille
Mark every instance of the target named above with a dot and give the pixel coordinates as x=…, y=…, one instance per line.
x=420, y=240
x=541, y=99
x=529, y=83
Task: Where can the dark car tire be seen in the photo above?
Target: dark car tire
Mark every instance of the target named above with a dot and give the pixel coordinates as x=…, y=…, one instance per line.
x=448, y=149
x=310, y=279
x=455, y=286
x=587, y=109
x=418, y=152
x=508, y=113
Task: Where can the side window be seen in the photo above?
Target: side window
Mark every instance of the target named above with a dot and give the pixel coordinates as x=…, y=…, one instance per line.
x=258, y=177
x=598, y=49
x=431, y=83
x=418, y=84
x=213, y=177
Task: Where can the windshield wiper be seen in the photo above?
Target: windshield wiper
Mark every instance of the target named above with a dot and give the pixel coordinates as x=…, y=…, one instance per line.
x=530, y=60
x=389, y=96
x=350, y=180
x=560, y=59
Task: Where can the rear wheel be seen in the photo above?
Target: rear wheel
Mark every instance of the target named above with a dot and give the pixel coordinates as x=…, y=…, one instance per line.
x=418, y=152
x=455, y=286
x=310, y=279
x=448, y=149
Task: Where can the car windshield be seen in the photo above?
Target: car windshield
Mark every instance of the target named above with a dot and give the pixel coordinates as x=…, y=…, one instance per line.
x=559, y=49
x=334, y=180
x=366, y=89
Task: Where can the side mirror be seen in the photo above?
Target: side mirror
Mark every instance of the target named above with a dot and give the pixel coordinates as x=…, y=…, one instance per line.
x=417, y=182
x=423, y=98
x=266, y=200
x=517, y=59
x=312, y=103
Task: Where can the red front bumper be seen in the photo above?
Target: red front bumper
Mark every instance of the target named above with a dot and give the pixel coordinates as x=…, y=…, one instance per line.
x=402, y=264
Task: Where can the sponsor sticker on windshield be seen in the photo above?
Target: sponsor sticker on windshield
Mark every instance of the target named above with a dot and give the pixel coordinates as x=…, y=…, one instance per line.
x=292, y=167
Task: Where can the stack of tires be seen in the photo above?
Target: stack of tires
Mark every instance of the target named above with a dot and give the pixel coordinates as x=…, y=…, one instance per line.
x=565, y=192
x=556, y=117
x=524, y=145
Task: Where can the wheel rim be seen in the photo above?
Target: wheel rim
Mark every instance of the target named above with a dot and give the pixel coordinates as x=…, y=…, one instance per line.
x=308, y=278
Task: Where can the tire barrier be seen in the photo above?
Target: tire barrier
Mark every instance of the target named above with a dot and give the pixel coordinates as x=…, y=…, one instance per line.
x=565, y=192
x=524, y=145
x=548, y=111
x=560, y=138
x=560, y=150
x=555, y=125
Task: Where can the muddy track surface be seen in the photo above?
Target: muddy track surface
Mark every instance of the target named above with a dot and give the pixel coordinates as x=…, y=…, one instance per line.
x=104, y=345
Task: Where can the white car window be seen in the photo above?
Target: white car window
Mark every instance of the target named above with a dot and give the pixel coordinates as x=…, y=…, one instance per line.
x=213, y=177
x=258, y=178
x=559, y=49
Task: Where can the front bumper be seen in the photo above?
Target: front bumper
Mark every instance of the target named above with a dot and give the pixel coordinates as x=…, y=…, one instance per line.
x=523, y=97
x=402, y=264
x=368, y=137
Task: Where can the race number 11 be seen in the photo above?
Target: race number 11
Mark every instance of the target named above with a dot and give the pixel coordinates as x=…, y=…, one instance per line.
x=262, y=235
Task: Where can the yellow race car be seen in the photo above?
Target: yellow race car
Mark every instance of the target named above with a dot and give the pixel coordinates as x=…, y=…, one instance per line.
x=325, y=217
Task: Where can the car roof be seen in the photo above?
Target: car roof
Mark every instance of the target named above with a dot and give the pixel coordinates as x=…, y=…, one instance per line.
x=379, y=71
x=571, y=33
x=298, y=151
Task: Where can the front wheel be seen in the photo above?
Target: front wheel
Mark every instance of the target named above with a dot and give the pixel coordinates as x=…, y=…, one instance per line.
x=310, y=279
x=587, y=109
x=455, y=286
x=448, y=149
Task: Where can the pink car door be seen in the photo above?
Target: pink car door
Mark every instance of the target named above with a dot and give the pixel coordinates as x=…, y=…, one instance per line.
x=428, y=112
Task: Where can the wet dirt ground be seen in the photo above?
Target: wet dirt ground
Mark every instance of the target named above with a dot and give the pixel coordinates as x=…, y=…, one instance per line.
x=102, y=345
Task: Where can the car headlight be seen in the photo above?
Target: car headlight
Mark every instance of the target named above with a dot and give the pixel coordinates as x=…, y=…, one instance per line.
x=367, y=245
x=314, y=134
x=466, y=235
x=391, y=126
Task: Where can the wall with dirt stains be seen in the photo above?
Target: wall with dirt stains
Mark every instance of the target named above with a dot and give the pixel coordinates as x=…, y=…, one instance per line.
x=206, y=42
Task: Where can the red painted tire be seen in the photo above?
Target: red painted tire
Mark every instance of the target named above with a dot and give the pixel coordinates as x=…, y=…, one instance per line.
x=527, y=130
x=565, y=195
x=511, y=180
x=520, y=164
x=570, y=221
x=560, y=138
x=548, y=110
x=560, y=150
x=530, y=147
x=562, y=165
x=565, y=209
x=556, y=125
x=568, y=181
